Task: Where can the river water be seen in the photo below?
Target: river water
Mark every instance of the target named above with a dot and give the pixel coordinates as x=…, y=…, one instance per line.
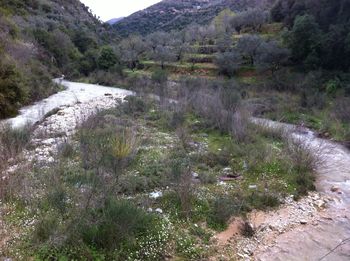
x=329, y=239
x=74, y=93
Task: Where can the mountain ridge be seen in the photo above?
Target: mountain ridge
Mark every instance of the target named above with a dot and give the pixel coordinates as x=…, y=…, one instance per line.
x=168, y=15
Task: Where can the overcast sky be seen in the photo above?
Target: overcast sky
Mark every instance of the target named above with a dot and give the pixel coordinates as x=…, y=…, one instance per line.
x=108, y=9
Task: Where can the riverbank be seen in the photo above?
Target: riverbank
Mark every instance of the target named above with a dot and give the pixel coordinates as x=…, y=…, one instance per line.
x=295, y=230
x=315, y=228
x=75, y=105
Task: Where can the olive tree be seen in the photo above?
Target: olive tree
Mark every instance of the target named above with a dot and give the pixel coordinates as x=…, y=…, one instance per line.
x=163, y=54
x=179, y=44
x=253, y=19
x=156, y=39
x=249, y=46
x=272, y=56
x=228, y=62
x=131, y=49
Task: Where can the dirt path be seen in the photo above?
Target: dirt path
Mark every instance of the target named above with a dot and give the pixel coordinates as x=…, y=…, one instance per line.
x=315, y=228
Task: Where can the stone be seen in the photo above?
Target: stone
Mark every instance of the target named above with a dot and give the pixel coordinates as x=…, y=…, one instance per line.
x=319, y=203
x=247, y=251
x=156, y=194
x=335, y=189
x=302, y=208
x=195, y=175
x=303, y=222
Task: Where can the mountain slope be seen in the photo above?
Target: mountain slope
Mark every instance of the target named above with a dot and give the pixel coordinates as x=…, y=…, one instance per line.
x=174, y=14
x=40, y=40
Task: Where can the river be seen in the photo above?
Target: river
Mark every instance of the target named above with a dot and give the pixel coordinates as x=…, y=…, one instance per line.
x=74, y=93
x=329, y=238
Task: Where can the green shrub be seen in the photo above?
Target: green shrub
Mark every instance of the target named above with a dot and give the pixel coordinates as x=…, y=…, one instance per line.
x=221, y=158
x=160, y=76
x=106, y=143
x=118, y=223
x=45, y=228
x=107, y=58
x=135, y=105
x=305, y=182
x=200, y=232
x=57, y=198
x=66, y=150
x=262, y=201
x=208, y=178
x=332, y=86
x=115, y=231
x=222, y=209
x=132, y=184
x=12, y=91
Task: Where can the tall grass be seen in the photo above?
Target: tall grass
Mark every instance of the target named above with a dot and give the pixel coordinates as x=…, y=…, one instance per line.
x=12, y=143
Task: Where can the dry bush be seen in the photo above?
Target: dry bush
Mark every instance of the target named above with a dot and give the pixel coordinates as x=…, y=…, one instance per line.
x=181, y=178
x=303, y=156
x=277, y=133
x=107, y=145
x=184, y=190
x=208, y=104
x=12, y=142
x=240, y=124
x=20, y=185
